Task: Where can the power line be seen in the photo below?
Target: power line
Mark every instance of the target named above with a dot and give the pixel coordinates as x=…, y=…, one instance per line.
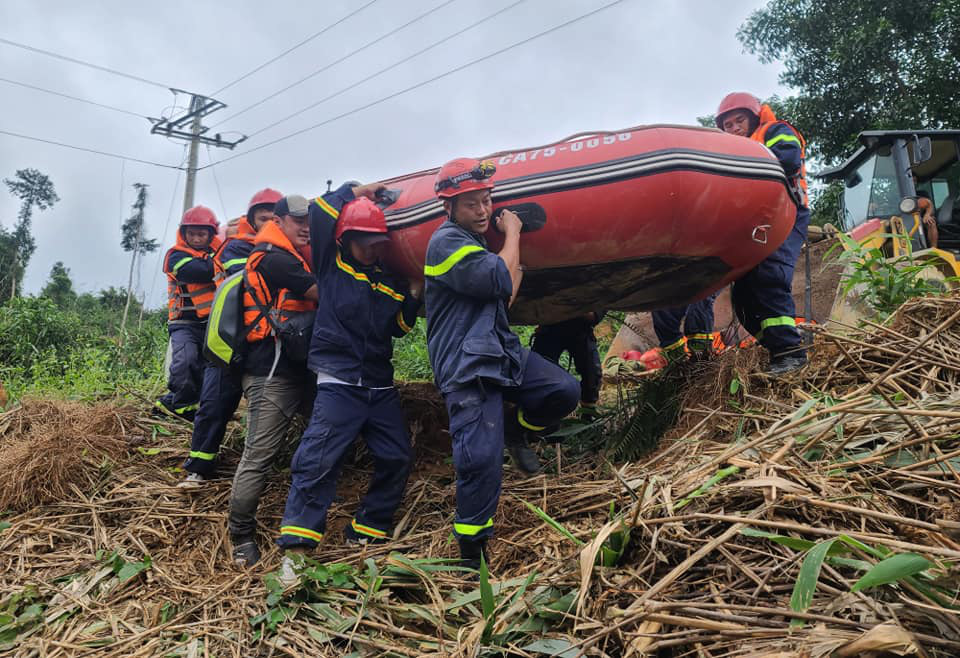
x=385, y=69
x=291, y=49
x=216, y=180
x=424, y=82
x=337, y=61
x=73, y=98
x=88, y=150
x=81, y=62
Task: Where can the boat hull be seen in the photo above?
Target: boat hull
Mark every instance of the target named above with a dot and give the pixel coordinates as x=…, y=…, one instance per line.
x=638, y=219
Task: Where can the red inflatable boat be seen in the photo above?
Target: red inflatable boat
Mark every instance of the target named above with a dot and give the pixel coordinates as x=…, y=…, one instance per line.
x=638, y=219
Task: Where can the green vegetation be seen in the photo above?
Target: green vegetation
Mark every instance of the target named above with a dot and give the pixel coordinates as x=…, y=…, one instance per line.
x=886, y=283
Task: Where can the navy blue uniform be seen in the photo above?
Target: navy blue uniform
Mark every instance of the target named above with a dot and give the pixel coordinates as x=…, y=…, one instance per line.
x=477, y=364
x=697, y=322
x=576, y=337
x=221, y=390
x=763, y=297
x=360, y=310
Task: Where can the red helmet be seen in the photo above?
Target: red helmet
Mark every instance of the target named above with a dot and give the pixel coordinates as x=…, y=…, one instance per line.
x=200, y=216
x=361, y=215
x=265, y=197
x=738, y=100
x=463, y=175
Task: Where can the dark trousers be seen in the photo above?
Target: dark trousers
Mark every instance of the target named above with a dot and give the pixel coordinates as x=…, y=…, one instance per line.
x=551, y=341
x=219, y=397
x=763, y=297
x=186, y=368
x=696, y=320
x=340, y=413
x=546, y=394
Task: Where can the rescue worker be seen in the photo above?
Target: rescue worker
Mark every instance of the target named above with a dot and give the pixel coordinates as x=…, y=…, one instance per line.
x=280, y=298
x=576, y=337
x=697, y=333
x=362, y=308
x=222, y=387
x=763, y=298
x=189, y=269
x=477, y=361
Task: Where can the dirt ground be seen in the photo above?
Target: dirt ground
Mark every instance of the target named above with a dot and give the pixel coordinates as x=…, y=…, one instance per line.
x=638, y=333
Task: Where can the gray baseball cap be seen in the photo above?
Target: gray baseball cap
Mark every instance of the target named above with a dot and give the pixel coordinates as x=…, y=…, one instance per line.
x=293, y=205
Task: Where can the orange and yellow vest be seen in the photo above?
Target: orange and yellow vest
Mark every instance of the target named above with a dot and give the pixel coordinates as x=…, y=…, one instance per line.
x=799, y=180
x=257, y=297
x=186, y=297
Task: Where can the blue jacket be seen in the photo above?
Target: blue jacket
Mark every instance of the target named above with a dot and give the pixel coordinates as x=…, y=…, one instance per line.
x=467, y=292
x=234, y=255
x=361, y=308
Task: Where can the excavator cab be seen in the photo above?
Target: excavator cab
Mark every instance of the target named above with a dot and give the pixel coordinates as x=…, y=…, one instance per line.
x=884, y=181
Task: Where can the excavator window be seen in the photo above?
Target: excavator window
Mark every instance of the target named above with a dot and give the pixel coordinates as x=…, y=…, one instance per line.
x=871, y=191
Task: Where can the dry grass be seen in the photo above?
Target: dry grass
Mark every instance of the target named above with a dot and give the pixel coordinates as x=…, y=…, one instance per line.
x=863, y=443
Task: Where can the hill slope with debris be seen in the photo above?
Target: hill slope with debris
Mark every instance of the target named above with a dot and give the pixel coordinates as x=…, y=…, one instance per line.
x=814, y=516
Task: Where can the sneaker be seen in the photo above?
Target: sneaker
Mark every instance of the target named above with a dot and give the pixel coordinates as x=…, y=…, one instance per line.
x=193, y=481
x=288, y=575
x=523, y=456
x=245, y=553
x=785, y=363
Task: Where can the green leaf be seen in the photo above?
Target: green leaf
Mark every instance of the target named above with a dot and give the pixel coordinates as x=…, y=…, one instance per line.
x=808, y=577
x=894, y=568
x=486, y=592
x=4, y=525
x=553, y=523
x=706, y=486
x=148, y=451
x=734, y=385
x=556, y=647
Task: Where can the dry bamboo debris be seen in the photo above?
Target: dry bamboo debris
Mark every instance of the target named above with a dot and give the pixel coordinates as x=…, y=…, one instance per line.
x=815, y=457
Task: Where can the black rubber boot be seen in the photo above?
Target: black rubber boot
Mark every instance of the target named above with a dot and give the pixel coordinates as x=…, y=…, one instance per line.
x=786, y=363
x=523, y=455
x=470, y=552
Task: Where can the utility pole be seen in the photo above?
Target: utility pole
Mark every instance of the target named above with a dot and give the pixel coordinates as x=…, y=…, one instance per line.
x=200, y=106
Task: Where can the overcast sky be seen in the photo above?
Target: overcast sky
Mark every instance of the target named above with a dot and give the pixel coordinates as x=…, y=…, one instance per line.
x=637, y=62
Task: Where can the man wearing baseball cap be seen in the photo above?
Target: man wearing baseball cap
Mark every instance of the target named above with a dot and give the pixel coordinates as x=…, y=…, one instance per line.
x=280, y=299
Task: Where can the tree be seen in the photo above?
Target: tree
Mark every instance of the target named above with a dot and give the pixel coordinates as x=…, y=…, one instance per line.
x=133, y=240
x=59, y=287
x=35, y=190
x=860, y=65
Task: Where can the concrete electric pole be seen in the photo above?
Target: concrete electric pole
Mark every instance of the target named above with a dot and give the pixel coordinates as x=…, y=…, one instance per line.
x=200, y=106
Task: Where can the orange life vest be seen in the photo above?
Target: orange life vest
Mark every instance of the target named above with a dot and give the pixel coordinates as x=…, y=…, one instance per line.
x=184, y=297
x=258, y=303
x=799, y=180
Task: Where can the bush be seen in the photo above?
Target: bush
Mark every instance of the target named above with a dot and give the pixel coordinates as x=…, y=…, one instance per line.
x=77, y=352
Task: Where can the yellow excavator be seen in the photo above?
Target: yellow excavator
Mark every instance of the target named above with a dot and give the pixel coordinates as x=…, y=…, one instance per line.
x=887, y=183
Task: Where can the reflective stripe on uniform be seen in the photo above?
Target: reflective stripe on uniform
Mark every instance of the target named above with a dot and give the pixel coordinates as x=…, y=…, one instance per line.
x=297, y=531
x=782, y=138
x=700, y=337
x=327, y=208
x=234, y=261
x=678, y=344
x=471, y=530
x=206, y=456
x=525, y=423
x=782, y=321
x=367, y=530
x=360, y=276
x=451, y=260
x=403, y=325
x=180, y=263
